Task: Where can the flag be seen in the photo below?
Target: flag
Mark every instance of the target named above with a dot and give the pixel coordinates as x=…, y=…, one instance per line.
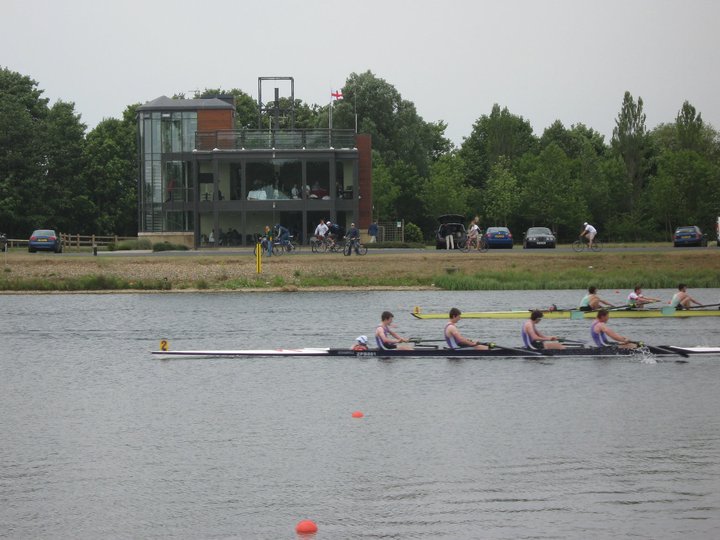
x=337, y=94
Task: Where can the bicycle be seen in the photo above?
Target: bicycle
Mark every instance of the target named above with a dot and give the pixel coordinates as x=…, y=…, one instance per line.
x=472, y=243
x=286, y=246
x=360, y=249
x=582, y=243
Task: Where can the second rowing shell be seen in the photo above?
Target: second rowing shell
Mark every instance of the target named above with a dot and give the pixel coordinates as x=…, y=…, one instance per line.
x=576, y=314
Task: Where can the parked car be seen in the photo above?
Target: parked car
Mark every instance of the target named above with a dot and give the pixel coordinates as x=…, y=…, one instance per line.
x=45, y=240
x=450, y=224
x=499, y=237
x=539, y=237
x=689, y=235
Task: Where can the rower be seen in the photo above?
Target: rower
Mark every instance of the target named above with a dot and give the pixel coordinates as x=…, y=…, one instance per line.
x=637, y=299
x=455, y=339
x=599, y=331
x=385, y=337
x=591, y=301
x=533, y=339
x=681, y=299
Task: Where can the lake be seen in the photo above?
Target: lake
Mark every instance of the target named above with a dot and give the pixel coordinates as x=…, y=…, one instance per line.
x=101, y=440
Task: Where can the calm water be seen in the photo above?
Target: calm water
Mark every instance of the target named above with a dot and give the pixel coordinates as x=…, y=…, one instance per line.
x=99, y=440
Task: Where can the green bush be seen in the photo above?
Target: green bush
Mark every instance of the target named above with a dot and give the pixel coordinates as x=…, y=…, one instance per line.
x=413, y=233
x=129, y=245
x=167, y=246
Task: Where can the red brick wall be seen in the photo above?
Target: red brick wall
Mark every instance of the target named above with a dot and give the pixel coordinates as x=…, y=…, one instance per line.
x=215, y=120
x=364, y=146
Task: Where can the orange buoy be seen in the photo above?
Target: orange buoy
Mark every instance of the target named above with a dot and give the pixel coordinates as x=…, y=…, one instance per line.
x=306, y=526
x=357, y=414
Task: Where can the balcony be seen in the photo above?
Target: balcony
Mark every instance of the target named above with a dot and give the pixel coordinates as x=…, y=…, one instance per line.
x=255, y=139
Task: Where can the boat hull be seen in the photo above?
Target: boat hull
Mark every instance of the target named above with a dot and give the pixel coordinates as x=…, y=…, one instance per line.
x=577, y=314
x=499, y=352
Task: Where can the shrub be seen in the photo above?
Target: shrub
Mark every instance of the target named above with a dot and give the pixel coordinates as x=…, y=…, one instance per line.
x=413, y=233
x=167, y=246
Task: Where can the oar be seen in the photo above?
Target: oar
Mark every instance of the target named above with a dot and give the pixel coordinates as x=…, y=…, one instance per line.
x=421, y=340
x=660, y=349
x=512, y=349
x=704, y=305
x=571, y=341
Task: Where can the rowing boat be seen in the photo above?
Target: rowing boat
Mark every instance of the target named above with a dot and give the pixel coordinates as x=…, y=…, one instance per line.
x=577, y=314
x=500, y=352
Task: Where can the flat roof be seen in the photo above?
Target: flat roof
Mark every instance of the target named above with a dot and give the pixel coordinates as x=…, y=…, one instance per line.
x=164, y=103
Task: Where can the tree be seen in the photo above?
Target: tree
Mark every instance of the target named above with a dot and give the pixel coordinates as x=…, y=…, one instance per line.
x=689, y=126
x=22, y=114
x=498, y=134
x=111, y=174
x=501, y=195
x=446, y=191
x=551, y=194
x=631, y=142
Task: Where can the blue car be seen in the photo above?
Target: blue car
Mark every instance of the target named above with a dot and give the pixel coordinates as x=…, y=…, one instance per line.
x=45, y=240
x=499, y=237
x=689, y=235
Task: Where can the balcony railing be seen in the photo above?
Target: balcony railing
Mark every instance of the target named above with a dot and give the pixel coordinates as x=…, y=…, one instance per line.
x=255, y=139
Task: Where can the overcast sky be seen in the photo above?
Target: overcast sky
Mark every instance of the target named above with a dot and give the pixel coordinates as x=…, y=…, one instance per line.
x=570, y=60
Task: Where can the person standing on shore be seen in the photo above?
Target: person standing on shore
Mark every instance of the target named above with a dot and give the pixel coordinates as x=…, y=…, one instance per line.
x=373, y=232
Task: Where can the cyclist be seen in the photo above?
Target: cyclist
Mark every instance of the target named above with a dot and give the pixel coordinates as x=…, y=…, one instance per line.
x=321, y=230
x=353, y=236
x=333, y=232
x=589, y=232
x=283, y=235
x=473, y=236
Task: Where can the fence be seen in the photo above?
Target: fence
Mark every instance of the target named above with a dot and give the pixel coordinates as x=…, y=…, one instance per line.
x=391, y=231
x=77, y=241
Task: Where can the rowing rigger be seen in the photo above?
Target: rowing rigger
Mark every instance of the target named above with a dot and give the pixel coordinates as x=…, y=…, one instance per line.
x=576, y=352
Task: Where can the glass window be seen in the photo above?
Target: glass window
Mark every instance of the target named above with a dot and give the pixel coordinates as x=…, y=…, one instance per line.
x=260, y=178
x=317, y=180
x=345, y=178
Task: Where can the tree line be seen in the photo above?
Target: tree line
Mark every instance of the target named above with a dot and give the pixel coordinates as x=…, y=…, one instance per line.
x=638, y=186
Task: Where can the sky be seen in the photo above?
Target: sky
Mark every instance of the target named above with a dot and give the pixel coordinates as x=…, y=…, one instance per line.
x=545, y=60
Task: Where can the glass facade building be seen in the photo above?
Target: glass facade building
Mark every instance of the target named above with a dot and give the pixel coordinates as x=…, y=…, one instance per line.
x=206, y=184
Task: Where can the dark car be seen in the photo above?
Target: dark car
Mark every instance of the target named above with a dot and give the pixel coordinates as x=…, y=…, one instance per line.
x=499, y=237
x=45, y=240
x=450, y=224
x=539, y=237
x=689, y=235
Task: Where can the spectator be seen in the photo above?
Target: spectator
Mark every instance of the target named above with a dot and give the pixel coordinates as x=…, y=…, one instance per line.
x=373, y=232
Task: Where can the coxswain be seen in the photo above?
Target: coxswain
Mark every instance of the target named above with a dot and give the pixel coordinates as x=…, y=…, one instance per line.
x=360, y=344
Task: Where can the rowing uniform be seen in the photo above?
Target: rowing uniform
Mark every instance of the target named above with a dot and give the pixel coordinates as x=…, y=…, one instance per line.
x=599, y=338
x=535, y=344
x=585, y=303
x=450, y=339
x=635, y=299
x=676, y=301
x=380, y=343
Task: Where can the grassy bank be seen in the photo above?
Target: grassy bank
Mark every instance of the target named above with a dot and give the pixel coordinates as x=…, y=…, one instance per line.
x=433, y=269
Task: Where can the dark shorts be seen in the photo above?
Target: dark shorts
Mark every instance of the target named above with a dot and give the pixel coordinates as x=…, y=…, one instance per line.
x=537, y=344
x=585, y=308
x=389, y=346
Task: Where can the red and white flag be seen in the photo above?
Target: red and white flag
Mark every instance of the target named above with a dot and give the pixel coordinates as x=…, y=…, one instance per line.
x=336, y=94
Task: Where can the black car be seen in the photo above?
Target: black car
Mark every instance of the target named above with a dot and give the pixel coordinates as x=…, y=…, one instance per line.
x=539, y=237
x=450, y=224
